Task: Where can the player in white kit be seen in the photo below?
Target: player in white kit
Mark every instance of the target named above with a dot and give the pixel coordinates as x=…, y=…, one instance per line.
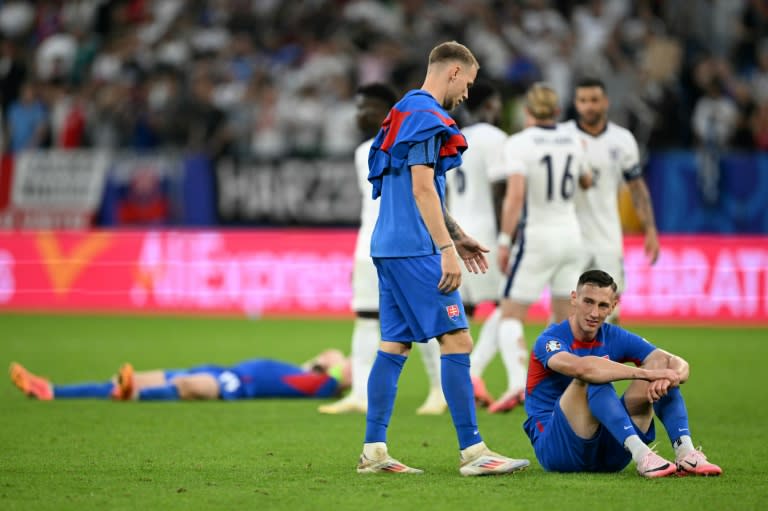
x=470, y=197
x=613, y=157
x=373, y=103
x=540, y=240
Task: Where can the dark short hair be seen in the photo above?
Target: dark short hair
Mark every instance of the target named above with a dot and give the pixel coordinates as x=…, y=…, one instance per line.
x=479, y=93
x=380, y=91
x=590, y=81
x=597, y=278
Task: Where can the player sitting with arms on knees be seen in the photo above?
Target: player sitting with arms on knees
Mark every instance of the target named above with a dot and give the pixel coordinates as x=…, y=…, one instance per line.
x=326, y=375
x=577, y=422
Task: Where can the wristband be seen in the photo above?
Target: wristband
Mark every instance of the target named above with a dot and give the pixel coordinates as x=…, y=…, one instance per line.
x=504, y=239
x=449, y=245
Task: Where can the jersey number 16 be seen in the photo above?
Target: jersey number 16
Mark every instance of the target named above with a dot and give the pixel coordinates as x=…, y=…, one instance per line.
x=567, y=185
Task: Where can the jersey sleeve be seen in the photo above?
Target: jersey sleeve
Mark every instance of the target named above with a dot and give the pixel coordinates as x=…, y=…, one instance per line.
x=630, y=160
x=547, y=346
x=513, y=159
x=425, y=153
x=632, y=347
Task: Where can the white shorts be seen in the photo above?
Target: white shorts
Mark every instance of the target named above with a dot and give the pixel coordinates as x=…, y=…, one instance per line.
x=480, y=287
x=365, y=286
x=557, y=263
x=612, y=264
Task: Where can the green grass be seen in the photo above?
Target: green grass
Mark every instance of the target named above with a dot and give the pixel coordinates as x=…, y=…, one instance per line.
x=281, y=454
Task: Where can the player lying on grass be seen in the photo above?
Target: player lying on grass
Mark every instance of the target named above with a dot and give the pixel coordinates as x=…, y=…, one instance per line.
x=326, y=375
x=577, y=422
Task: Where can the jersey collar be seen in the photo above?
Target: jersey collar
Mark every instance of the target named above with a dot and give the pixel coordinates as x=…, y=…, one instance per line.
x=605, y=128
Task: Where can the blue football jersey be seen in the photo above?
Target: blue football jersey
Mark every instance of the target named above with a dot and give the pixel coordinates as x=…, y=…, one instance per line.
x=544, y=386
x=261, y=378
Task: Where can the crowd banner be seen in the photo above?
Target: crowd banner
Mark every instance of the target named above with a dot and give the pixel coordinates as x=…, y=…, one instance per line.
x=288, y=192
x=307, y=272
x=53, y=189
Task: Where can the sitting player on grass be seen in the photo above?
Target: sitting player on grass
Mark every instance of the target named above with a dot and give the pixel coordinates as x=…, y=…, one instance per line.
x=577, y=422
x=326, y=375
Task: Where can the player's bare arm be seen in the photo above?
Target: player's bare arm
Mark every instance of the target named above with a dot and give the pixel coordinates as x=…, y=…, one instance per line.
x=428, y=202
x=511, y=210
x=468, y=248
x=641, y=199
x=592, y=369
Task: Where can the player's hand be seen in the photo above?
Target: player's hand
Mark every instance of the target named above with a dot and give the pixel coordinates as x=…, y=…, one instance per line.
x=473, y=254
x=451, y=277
x=652, y=246
x=502, y=258
x=658, y=389
x=664, y=374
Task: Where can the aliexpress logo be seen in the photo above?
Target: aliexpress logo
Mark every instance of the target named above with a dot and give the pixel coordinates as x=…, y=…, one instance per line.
x=63, y=268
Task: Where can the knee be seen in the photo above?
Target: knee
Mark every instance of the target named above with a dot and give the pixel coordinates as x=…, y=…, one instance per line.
x=458, y=341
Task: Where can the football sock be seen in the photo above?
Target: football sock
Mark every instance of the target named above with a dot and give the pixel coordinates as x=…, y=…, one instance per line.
x=672, y=413
x=457, y=388
x=382, y=389
x=101, y=390
x=430, y=355
x=606, y=407
x=683, y=446
x=487, y=343
x=365, y=343
x=161, y=393
x=636, y=446
x=512, y=353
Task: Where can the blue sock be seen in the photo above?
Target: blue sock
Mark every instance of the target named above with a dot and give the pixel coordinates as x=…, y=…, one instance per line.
x=162, y=393
x=606, y=407
x=382, y=389
x=672, y=413
x=99, y=390
x=457, y=388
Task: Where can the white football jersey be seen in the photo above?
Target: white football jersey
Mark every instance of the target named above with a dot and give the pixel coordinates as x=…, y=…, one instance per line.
x=612, y=156
x=369, y=211
x=551, y=159
x=469, y=197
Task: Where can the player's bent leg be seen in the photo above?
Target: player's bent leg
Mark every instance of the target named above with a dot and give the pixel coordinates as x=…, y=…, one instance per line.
x=197, y=387
x=435, y=403
x=514, y=354
x=561, y=309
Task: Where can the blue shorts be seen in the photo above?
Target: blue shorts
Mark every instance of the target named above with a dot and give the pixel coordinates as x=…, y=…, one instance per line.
x=230, y=387
x=559, y=449
x=411, y=307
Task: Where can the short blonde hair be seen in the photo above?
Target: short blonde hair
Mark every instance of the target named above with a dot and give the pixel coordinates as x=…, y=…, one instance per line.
x=541, y=101
x=452, y=50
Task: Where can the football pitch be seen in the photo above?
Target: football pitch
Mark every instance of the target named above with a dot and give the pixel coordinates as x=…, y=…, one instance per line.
x=282, y=454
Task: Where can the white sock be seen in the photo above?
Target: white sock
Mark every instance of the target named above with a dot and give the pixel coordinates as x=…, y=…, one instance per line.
x=513, y=353
x=683, y=446
x=636, y=446
x=487, y=344
x=430, y=355
x=375, y=450
x=366, y=335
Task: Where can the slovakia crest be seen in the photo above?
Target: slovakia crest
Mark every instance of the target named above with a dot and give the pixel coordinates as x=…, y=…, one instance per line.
x=552, y=345
x=453, y=311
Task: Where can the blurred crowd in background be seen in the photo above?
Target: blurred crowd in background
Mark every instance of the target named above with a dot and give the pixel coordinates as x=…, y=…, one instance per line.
x=264, y=79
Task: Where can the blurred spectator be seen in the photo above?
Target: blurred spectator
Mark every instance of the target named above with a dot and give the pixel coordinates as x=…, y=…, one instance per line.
x=27, y=120
x=759, y=126
x=13, y=72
